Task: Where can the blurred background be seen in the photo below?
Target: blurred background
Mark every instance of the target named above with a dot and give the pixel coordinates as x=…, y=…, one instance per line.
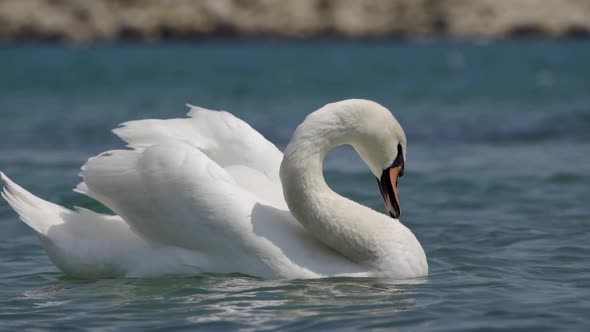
x=494, y=97
x=153, y=20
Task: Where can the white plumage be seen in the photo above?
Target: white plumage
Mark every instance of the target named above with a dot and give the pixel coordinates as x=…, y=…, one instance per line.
x=209, y=194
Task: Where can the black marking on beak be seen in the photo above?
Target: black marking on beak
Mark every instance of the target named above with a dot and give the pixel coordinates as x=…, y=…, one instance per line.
x=388, y=184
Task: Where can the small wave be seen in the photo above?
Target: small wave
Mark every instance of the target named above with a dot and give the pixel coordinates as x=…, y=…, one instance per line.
x=517, y=127
x=564, y=178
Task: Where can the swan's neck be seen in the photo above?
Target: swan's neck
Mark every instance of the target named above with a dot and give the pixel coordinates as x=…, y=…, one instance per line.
x=340, y=223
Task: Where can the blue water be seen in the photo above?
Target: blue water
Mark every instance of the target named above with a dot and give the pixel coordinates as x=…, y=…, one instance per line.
x=496, y=187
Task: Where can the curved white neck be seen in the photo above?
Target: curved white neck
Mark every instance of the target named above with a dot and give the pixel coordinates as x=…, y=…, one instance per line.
x=353, y=230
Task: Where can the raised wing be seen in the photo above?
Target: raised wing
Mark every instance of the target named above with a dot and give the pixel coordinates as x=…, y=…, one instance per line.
x=173, y=194
x=190, y=183
x=221, y=136
x=170, y=192
x=229, y=142
x=208, y=184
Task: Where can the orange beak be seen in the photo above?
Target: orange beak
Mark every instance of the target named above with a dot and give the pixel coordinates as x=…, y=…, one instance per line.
x=388, y=187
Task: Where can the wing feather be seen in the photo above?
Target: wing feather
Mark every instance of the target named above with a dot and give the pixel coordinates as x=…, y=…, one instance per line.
x=224, y=138
x=208, y=184
x=175, y=195
x=229, y=142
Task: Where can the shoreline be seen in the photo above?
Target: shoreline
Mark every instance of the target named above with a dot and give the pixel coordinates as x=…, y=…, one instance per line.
x=73, y=21
x=283, y=40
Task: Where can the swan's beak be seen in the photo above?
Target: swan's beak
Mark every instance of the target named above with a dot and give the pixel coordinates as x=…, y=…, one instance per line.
x=388, y=186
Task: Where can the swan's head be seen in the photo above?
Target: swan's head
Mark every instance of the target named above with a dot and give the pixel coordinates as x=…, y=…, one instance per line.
x=366, y=125
x=381, y=143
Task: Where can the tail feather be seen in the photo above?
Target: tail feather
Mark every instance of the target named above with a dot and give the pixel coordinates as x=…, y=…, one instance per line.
x=38, y=214
x=80, y=243
x=88, y=244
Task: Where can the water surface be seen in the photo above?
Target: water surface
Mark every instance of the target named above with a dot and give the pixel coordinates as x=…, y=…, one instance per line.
x=496, y=184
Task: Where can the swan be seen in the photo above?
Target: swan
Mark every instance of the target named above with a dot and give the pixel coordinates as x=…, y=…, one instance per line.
x=208, y=193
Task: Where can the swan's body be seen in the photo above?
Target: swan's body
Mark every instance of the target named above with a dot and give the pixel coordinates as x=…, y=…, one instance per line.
x=210, y=194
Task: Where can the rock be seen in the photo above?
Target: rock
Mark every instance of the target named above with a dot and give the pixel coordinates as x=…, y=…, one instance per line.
x=152, y=20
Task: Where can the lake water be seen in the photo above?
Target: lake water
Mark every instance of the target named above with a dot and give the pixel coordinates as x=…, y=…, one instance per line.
x=497, y=184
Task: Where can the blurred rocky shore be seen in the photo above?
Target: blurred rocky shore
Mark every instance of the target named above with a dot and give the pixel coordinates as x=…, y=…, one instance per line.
x=153, y=20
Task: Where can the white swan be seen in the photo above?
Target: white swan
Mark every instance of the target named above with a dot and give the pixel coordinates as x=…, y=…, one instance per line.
x=204, y=194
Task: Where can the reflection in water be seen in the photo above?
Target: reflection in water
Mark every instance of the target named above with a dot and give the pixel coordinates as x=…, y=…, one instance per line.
x=246, y=301
x=53, y=289
x=260, y=302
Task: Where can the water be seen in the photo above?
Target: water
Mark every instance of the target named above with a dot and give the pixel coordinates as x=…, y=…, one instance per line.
x=496, y=184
